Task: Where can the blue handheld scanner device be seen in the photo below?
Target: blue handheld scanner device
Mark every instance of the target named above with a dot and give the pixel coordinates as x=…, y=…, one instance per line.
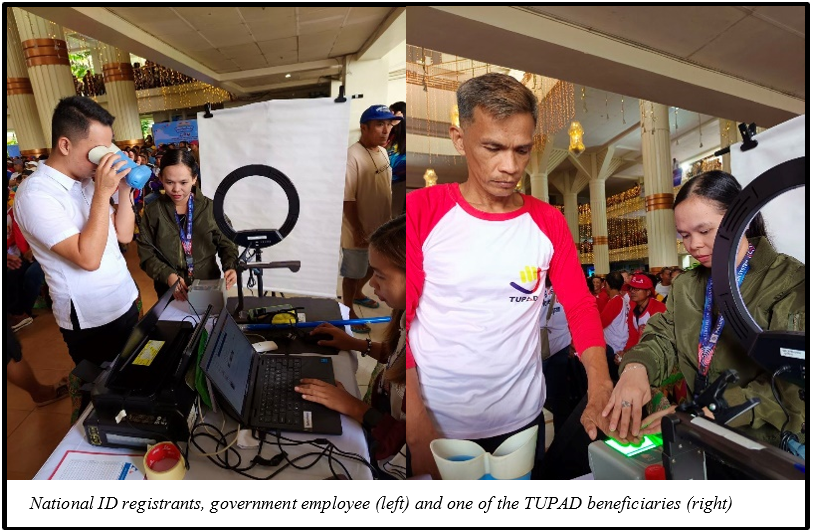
x=138, y=176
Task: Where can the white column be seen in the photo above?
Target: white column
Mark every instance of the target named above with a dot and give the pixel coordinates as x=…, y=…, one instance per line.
x=657, y=162
x=572, y=213
x=570, y=184
x=538, y=170
x=46, y=55
x=122, y=101
x=539, y=186
x=598, y=214
x=20, y=95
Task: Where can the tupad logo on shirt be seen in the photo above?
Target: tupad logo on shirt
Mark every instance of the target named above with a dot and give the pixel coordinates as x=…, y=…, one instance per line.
x=527, y=276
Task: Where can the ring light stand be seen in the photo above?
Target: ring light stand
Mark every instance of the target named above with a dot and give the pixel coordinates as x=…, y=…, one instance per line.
x=257, y=239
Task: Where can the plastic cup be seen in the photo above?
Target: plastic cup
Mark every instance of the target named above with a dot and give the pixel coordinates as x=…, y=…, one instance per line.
x=459, y=459
x=138, y=176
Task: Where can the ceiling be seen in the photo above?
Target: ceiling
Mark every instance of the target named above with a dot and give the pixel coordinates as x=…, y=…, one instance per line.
x=690, y=57
x=244, y=50
x=739, y=63
x=743, y=41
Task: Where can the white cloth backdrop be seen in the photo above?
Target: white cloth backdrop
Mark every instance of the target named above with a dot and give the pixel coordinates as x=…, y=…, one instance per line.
x=785, y=215
x=307, y=141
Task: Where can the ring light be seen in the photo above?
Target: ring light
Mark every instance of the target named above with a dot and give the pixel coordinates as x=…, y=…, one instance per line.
x=257, y=238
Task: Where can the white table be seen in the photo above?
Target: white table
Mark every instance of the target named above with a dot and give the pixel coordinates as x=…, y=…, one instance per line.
x=352, y=439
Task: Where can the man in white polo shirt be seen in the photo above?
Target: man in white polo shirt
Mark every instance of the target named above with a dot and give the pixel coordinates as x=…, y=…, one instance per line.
x=478, y=255
x=74, y=232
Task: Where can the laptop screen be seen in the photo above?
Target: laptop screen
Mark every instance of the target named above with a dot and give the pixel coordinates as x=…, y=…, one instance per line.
x=227, y=361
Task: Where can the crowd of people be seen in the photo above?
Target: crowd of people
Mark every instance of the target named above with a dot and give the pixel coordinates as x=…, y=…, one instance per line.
x=146, y=76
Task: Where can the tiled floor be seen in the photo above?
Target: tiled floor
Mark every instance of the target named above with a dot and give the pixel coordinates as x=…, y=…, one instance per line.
x=32, y=433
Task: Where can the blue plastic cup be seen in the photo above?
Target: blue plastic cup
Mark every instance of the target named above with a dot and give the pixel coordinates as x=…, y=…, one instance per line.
x=138, y=176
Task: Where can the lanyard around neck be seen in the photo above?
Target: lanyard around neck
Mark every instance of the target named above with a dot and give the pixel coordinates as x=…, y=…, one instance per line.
x=186, y=237
x=708, y=337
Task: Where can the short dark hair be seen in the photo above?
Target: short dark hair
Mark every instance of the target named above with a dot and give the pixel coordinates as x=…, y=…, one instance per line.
x=722, y=188
x=72, y=117
x=615, y=280
x=173, y=157
x=499, y=95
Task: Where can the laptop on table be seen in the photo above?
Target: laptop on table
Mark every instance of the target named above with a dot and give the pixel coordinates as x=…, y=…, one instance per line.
x=259, y=389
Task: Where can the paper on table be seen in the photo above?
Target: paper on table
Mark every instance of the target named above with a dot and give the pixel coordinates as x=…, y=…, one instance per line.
x=98, y=465
x=178, y=310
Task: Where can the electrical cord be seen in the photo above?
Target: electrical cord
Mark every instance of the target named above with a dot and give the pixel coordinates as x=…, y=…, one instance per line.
x=342, y=453
x=223, y=461
x=785, y=436
x=396, y=471
x=328, y=449
x=193, y=308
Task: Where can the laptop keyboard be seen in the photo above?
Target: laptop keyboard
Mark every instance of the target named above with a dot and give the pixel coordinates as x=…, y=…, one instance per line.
x=278, y=402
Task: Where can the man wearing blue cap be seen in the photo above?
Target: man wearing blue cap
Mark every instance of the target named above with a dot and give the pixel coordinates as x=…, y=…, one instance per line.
x=367, y=204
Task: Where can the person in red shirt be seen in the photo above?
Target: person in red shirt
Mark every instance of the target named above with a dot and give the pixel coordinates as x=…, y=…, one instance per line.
x=599, y=289
x=642, y=294
x=23, y=274
x=614, y=318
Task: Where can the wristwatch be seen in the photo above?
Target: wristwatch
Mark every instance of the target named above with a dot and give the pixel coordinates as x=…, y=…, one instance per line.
x=371, y=418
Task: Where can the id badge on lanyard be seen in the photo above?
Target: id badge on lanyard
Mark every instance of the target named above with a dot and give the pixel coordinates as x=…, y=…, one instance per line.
x=186, y=237
x=708, y=337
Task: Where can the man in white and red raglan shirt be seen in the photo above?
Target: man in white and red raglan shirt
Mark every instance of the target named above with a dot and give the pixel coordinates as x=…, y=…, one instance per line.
x=477, y=257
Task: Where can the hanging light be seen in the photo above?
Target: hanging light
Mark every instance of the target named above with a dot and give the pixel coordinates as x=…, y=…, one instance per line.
x=576, y=133
x=430, y=177
x=454, y=117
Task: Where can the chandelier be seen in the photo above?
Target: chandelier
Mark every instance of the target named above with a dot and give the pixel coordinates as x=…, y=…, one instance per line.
x=430, y=177
x=576, y=134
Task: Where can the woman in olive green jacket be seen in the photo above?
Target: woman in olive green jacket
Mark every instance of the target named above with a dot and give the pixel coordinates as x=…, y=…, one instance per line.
x=774, y=290
x=173, y=247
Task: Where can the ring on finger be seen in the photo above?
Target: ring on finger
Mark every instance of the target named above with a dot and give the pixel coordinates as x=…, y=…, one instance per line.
x=625, y=404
